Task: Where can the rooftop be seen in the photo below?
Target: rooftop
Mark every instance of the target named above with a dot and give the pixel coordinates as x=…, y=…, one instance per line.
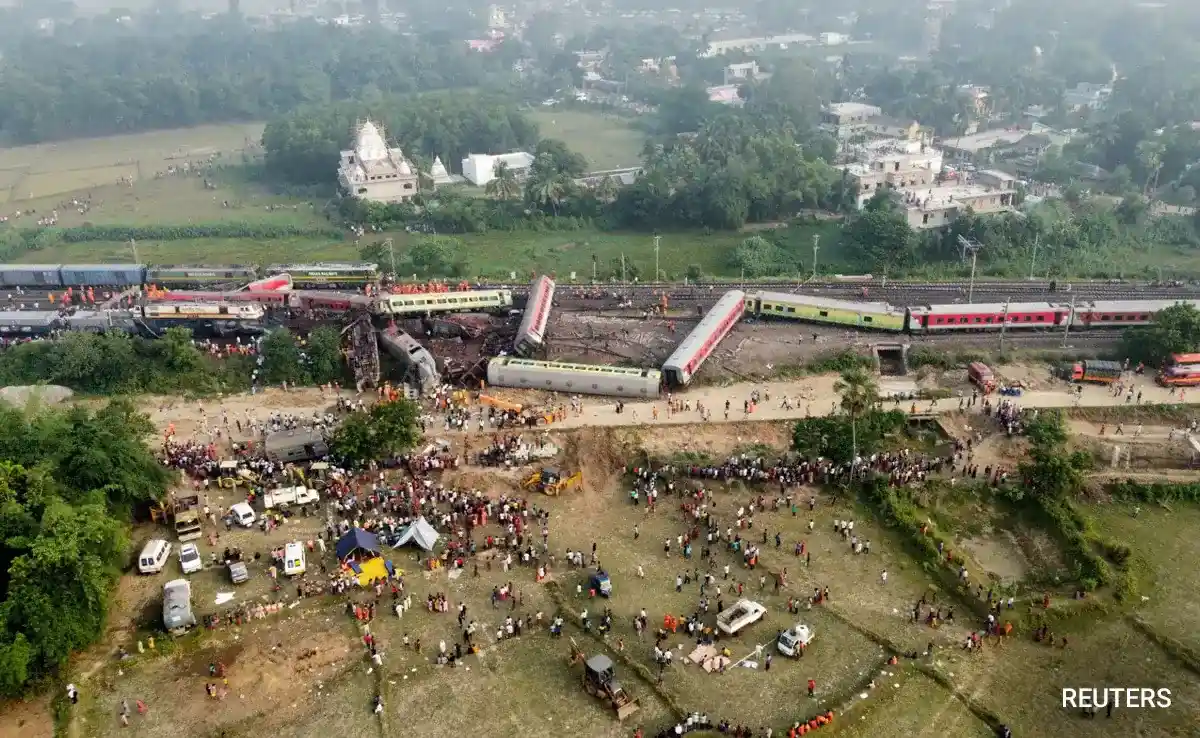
x=940, y=197
x=986, y=139
x=851, y=108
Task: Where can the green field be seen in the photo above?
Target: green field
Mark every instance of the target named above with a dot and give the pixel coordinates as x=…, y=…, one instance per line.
x=606, y=140
x=492, y=255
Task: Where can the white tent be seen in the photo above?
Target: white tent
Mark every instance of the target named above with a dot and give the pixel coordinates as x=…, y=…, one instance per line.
x=420, y=533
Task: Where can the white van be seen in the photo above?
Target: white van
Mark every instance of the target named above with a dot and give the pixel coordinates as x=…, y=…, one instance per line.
x=293, y=559
x=153, y=557
x=242, y=514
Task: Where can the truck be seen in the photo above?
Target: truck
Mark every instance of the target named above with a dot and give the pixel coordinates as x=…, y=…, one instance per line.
x=792, y=640
x=981, y=375
x=1102, y=372
x=284, y=496
x=187, y=517
x=740, y=615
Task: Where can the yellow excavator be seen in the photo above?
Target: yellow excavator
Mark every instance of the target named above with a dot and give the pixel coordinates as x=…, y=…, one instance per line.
x=551, y=481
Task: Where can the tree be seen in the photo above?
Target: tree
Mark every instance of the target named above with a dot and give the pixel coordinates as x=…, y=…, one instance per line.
x=504, y=184
x=68, y=480
x=387, y=429
x=879, y=238
x=563, y=160
x=757, y=257
x=324, y=352
x=436, y=256
x=859, y=394
x=280, y=358
x=1172, y=330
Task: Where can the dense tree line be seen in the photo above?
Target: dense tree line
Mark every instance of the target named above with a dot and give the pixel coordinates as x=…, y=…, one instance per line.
x=220, y=70
x=69, y=479
x=303, y=146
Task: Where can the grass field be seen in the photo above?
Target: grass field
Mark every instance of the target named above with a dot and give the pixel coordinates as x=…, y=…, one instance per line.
x=492, y=255
x=606, y=140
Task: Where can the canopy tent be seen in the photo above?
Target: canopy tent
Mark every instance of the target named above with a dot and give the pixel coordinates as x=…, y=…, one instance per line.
x=419, y=532
x=375, y=569
x=357, y=543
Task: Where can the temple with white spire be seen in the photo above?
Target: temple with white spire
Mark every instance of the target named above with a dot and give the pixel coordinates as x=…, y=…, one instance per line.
x=374, y=171
x=438, y=173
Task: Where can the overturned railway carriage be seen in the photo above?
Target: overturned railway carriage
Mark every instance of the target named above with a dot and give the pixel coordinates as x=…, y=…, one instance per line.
x=531, y=334
x=683, y=364
x=469, y=301
x=411, y=354
x=586, y=379
x=868, y=315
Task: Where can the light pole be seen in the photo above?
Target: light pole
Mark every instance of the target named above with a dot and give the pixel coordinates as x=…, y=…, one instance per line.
x=969, y=244
x=1004, y=324
x=1033, y=259
x=133, y=248
x=816, y=248
x=391, y=255
x=657, y=240
x=1067, y=322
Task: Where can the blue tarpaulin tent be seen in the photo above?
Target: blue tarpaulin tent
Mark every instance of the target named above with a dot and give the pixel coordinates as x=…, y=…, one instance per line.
x=355, y=543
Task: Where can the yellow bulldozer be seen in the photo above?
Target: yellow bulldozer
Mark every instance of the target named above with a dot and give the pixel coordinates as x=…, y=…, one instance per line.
x=551, y=481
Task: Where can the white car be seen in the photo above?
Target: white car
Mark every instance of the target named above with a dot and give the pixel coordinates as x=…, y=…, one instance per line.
x=189, y=558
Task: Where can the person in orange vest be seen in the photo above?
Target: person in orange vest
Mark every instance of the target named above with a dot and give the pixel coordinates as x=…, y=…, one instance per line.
x=812, y=688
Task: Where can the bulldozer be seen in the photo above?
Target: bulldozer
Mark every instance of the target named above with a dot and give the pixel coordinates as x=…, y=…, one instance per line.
x=551, y=481
x=232, y=474
x=599, y=681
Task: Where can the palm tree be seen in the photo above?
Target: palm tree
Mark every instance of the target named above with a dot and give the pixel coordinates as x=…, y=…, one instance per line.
x=1150, y=155
x=504, y=184
x=859, y=394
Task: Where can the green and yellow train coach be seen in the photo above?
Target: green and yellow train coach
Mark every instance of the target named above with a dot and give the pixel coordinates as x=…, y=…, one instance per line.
x=878, y=316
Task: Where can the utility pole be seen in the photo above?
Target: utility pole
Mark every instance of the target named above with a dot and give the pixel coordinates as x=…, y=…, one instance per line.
x=1033, y=259
x=1067, y=322
x=657, y=240
x=133, y=248
x=622, y=267
x=1004, y=323
x=391, y=247
x=973, y=246
x=816, y=248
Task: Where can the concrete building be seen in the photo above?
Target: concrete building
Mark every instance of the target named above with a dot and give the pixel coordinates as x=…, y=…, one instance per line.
x=479, y=169
x=725, y=95
x=982, y=148
x=1087, y=95
x=938, y=207
x=833, y=39
x=900, y=166
x=745, y=71
x=850, y=119
x=373, y=171
x=760, y=43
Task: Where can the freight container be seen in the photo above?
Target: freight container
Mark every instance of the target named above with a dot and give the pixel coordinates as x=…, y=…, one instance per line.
x=31, y=275
x=103, y=275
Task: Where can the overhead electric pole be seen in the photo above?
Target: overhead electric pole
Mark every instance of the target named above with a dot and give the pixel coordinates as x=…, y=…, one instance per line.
x=1004, y=323
x=1033, y=259
x=972, y=246
x=657, y=240
x=133, y=248
x=1067, y=322
x=816, y=248
x=391, y=247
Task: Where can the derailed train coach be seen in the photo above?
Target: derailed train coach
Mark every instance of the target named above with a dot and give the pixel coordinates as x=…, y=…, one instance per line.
x=683, y=364
x=584, y=379
x=531, y=334
x=412, y=355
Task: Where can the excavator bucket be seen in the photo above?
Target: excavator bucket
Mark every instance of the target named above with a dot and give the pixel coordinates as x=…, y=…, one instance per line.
x=627, y=709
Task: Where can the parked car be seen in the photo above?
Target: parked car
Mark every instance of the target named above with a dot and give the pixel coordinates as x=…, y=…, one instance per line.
x=189, y=558
x=238, y=572
x=154, y=556
x=177, y=606
x=243, y=514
